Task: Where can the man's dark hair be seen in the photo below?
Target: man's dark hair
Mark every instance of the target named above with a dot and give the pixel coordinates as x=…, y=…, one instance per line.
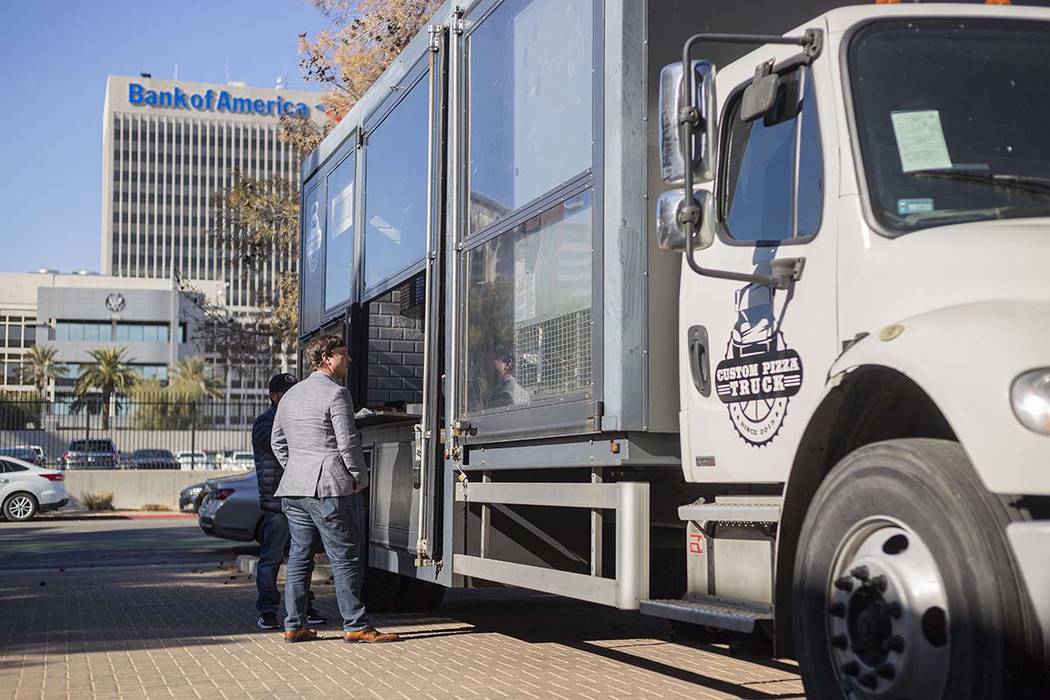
x=502, y=352
x=322, y=345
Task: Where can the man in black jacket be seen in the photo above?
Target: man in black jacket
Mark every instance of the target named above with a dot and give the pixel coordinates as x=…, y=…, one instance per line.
x=268, y=472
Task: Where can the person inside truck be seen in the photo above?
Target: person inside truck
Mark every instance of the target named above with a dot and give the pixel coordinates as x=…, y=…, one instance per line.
x=505, y=389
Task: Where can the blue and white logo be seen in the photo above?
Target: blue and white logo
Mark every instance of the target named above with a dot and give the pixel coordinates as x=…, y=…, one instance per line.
x=212, y=101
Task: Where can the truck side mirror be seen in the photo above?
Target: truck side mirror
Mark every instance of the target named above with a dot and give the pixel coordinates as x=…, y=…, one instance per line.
x=671, y=229
x=700, y=114
x=760, y=96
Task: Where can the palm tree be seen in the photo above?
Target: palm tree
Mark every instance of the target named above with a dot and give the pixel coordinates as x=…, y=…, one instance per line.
x=110, y=375
x=193, y=379
x=40, y=367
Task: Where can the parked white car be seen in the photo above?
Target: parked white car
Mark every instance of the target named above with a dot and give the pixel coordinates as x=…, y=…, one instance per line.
x=26, y=489
x=238, y=461
x=194, y=460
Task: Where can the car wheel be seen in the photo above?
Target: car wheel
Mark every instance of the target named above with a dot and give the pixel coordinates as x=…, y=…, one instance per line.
x=904, y=585
x=20, y=506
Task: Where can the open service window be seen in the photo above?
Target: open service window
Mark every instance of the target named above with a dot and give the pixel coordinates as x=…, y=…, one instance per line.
x=527, y=282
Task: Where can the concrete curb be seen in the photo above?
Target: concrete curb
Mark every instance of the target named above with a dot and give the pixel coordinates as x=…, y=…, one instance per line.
x=247, y=563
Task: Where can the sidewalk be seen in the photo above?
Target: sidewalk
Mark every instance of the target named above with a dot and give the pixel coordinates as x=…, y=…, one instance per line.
x=80, y=513
x=189, y=632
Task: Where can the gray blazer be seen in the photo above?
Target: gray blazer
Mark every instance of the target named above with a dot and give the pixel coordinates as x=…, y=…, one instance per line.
x=315, y=439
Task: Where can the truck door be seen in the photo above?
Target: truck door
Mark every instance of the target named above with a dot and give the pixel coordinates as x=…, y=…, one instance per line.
x=756, y=356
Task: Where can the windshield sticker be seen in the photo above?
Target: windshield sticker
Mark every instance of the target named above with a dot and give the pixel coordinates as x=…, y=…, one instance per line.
x=912, y=206
x=920, y=140
x=760, y=373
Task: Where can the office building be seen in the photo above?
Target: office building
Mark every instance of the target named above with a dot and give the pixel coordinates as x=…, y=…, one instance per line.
x=168, y=147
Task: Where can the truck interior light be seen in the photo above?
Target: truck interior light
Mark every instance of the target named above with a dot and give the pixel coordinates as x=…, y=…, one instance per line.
x=1030, y=399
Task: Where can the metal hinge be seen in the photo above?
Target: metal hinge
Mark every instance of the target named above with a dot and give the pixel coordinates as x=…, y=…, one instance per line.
x=434, y=32
x=458, y=25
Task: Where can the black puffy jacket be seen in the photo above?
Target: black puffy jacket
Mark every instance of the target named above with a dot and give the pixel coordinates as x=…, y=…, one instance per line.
x=268, y=470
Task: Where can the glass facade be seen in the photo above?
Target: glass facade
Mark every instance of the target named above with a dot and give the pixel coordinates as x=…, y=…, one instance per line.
x=101, y=331
x=530, y=103
x=529, y=311
x=396, y=188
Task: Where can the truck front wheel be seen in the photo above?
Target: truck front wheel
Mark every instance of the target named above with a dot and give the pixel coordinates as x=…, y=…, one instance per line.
x=904, y=586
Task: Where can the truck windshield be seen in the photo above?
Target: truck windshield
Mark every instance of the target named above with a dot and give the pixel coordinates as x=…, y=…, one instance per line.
x=951, y=120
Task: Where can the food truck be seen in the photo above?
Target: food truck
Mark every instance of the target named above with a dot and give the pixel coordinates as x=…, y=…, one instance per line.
x=810, y=401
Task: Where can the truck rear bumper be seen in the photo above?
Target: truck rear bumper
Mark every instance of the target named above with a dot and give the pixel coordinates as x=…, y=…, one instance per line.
x=1030, y=542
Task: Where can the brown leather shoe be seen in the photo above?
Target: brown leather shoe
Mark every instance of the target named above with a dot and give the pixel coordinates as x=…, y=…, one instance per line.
x=303, y=635
x=369, y=635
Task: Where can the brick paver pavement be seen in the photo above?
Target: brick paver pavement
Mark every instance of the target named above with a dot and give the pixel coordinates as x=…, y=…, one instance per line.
x=189, y=633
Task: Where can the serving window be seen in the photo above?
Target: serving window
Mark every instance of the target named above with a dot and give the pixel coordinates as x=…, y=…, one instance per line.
x=528, y=281
x=529, y=311
x=530, y=106
x=395, y=202
x=312, y=272
x=339, y=246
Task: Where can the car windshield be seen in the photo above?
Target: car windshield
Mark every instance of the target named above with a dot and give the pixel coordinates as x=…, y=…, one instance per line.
x=151, y=453
x=951, y=120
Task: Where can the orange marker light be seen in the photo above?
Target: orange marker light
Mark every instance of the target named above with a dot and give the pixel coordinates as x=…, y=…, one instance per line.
x=614, y=447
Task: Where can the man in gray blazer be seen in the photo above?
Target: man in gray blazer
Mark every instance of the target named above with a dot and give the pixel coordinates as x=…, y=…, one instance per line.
x=316, y=441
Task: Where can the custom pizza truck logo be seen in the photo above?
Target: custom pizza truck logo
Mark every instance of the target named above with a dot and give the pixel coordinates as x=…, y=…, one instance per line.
x=759, y=374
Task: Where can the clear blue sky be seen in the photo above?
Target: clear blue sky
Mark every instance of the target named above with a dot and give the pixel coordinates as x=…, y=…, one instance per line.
x=54, y=59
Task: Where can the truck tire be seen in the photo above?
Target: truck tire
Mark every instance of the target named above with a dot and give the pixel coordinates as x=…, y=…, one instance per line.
x=904, y=586
x=415, y=595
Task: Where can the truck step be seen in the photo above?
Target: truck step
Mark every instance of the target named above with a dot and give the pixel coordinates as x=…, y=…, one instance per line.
x=734, y=617
x=731, y=512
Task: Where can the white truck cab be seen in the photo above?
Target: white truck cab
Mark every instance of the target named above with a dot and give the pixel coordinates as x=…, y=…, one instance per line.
x=864, y=315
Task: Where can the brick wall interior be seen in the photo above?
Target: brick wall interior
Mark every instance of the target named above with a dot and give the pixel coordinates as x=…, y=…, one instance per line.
x=395, y=354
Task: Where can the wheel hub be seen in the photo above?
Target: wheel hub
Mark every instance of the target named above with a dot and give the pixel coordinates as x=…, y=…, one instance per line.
x=887, y=614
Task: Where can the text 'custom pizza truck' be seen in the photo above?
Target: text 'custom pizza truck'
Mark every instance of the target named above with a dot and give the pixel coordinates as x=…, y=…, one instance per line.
x=810, y=400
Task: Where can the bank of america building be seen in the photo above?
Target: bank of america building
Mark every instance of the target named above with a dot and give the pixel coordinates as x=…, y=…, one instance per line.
x=168, y=148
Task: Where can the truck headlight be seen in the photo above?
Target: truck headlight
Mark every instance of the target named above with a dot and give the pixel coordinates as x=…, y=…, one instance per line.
x=1030, y=399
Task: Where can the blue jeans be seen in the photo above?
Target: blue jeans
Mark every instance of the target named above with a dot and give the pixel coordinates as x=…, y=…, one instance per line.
x=273, y=549
x=338, y=522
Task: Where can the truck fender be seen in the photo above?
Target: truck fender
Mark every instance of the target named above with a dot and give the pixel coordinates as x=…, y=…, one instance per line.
x=965, y=358
x=942, y=374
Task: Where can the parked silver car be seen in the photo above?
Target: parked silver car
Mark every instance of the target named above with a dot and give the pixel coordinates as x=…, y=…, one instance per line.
x=230, y=508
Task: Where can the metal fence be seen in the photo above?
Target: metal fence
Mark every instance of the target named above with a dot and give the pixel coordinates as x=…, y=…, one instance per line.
x=154, y=432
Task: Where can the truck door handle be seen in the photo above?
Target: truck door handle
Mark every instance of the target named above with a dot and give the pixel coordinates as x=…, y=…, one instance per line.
x=699, y=359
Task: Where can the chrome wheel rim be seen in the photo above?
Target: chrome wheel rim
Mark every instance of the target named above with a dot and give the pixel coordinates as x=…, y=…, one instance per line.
x=20, y=507
x=887, y=615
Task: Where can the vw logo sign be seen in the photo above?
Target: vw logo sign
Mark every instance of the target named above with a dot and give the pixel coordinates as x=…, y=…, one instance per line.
x=116, y=302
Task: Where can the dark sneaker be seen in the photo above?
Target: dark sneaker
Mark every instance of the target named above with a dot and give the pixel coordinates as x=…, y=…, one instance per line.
x=369, y=635
x=314, y=618
x=268, y=621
